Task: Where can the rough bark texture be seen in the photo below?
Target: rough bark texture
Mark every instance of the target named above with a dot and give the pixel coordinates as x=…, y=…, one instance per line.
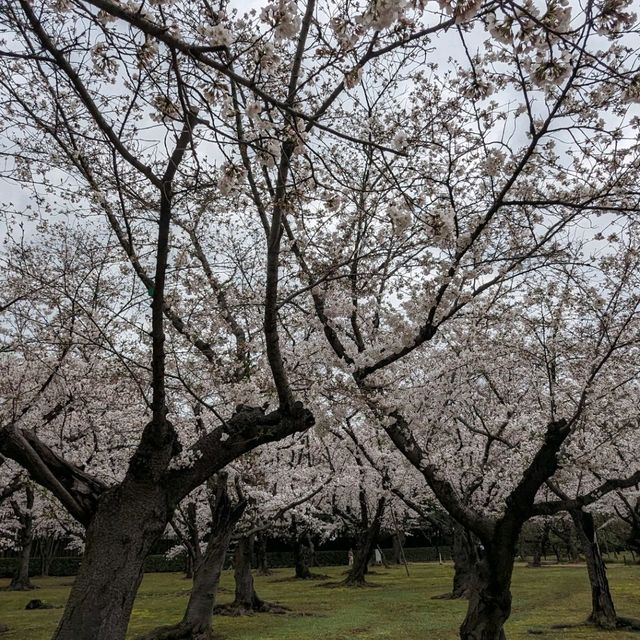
x=21, y=580
x=196, y=623
x=245, y=595
x=129, y=519
x=302, y=555
x=603, y=613
x=490, y=598
x=465, y=559
x=246, y=599
x=365, y=546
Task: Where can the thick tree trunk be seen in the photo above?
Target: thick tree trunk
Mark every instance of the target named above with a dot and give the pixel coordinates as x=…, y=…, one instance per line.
x=128, y=521
x=603, y=613
x=246, y=596
x=364, y=549
x=490, y=599
x=465, y=559
x=301, y=557
x=246, y=599
x=262, y=560
x=21, y=580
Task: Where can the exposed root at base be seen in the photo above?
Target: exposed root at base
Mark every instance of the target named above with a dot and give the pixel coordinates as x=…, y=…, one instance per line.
x=236, y=610
x=312, y=576
x=181, y=631
x=350, y=585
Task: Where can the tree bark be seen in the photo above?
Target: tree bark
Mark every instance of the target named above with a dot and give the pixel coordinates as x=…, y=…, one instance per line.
x=21, y=580
x=128, y=521
x=196, y=623
x=246, y=599
x=301, y=556
x=603, y=613
x=465, y=559
x=262, y=560
x=245, y=595
x=490, y=598
x=364, y=549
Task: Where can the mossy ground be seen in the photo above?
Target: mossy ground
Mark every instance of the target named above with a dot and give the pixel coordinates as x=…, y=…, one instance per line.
x=400, y=609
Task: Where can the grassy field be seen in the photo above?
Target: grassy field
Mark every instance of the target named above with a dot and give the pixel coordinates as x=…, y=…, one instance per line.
x=399, y=609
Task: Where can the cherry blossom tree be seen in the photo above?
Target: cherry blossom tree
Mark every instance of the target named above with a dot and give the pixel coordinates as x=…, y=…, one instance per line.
x=320, y=210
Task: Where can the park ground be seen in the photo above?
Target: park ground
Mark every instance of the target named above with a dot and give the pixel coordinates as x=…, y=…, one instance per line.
x=400, y=608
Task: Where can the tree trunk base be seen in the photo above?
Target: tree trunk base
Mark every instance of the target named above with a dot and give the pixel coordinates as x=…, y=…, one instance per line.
x=22, y=586
x=451, y=596
x=237, y=609
x=354, y=584
x=311, y=576
x=603, y=622
x=181, y=631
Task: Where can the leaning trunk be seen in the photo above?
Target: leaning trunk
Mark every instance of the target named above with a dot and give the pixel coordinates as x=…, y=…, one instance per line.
x=364, y=550
x=128, y=521
x=207, y=575
x=603, y=613
x=490, y=599
x=196, y=623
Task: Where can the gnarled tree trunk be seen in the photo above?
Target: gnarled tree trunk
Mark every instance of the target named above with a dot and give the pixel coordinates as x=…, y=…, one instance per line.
x=21, y=580
x=364, y=549
x=196, y=623
x=301, y=554
x=128, y=521
x=246, y=599
x=465, y=559
x=603, y=613
x=490, y=598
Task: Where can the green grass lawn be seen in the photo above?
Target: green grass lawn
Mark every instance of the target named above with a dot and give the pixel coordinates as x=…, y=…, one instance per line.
x=400, y=609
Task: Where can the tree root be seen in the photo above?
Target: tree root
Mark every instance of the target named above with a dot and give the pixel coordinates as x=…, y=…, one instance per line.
x=235, y=609
x=311, y=576
x=450, y=596
x=180, y=631
x=350, y=585
x=630, y=624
